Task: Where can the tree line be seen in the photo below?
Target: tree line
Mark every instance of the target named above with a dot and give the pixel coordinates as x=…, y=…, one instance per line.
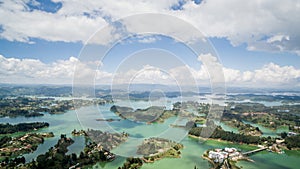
x=24, y=127
x=219, y=133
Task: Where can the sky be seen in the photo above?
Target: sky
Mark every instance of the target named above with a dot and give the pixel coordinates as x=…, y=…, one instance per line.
x=183, y=42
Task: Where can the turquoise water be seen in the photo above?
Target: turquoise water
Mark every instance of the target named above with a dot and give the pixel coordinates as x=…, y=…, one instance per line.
x=268, y=132
x=268, y=160
x=228, y=128
x=191, y=153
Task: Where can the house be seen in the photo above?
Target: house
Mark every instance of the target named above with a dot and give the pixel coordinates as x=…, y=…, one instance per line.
x=217, y=157
x=291, y=134
x=230, y=150
x=297, y=127
x=279, y=141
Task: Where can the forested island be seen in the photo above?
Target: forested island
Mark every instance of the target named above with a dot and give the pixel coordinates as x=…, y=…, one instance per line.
x=105, y=139
x=159, y=114
x=269, y=117
x=21, y=127
x=34, y=106
x=132, y=163
x=154, y=149
x=219, y=133
x=148, y=115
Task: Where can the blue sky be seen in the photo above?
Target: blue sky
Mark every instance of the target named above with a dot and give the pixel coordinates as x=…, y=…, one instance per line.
x=234, y=57
x=242, y=59
x=39, y=37
x=43, y=50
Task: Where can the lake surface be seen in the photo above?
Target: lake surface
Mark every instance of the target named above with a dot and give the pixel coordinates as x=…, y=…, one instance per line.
x=84, y=118
x=268, y=132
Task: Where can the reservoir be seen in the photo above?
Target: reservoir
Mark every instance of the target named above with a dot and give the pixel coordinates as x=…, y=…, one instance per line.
x=85, y=118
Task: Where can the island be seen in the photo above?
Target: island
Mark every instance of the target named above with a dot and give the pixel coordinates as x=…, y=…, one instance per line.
x=147, y=115
x=248, y=119
x=158, y=114
x=132, y=163
x=105, y=139
x=11, y=147
x=35, y=106
x=225, y=158
x=286, y=116
x=56, y=157
x=21, y=127
x=154, y=149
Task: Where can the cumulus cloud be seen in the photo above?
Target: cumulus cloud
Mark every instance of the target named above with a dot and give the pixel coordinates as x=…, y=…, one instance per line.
x=272, y=73
x=33, y=71
x=19, y=23
x=148, y=74
x=271, y=25
x=36, y=72
x=250, y=22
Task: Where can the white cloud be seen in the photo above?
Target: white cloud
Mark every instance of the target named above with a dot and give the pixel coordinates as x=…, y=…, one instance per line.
x=272, y=73
x=148, y=39
x=33, y=71
x=147, y=74
x=263, y=25
x=247, y=21
x=213, y=67
x=36, y=72
x=277, y=38
x=21, y=24
x=167, y=25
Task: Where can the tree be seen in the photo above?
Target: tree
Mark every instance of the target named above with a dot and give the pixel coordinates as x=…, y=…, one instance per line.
x=283, y=135
x=73, y=157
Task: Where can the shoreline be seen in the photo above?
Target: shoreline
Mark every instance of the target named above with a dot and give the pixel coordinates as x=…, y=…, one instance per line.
x=209, y=160
x=220, y=140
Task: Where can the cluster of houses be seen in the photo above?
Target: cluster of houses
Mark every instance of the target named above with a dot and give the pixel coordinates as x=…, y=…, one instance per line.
x=219, y=155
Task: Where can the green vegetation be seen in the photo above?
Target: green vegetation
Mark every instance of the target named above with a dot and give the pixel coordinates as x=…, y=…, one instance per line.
x=100, y=143
x=12, y=163
x=201, y=108
x=107, y=140
x=32, y=106
x=219, y=133
x=56, y=157
x=165, y=115
x=190, y=110
x=4, y=140
x=154, y=149
x=37, y=90
x=78, y=133
x=269, y=117
x=293, y=142
x=132, y=163
x=269, y=98
x=243, y=128
x=147, y=115
x=11, y=147
x=23, y=127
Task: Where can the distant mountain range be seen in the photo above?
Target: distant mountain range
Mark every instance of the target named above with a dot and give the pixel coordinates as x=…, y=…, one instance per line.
x=135, y=90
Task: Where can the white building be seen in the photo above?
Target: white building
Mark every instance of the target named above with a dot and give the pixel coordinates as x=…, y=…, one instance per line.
x=291, y=133
x=217, y=157
x=230, y=150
